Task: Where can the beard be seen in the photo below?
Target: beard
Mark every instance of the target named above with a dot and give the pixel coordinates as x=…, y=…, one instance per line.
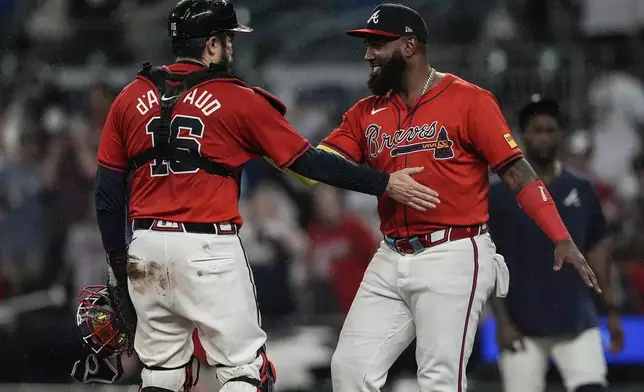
x=541, y=156
x=225, y=61
x=224, y=64
x=390, y=76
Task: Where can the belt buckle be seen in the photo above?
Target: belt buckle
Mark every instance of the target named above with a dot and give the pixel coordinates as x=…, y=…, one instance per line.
x=416, y=245
x=398, y=248
x=394, y=244
x=163, y=225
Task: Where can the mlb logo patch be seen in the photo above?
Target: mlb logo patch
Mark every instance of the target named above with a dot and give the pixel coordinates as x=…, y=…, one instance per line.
x=510, y=140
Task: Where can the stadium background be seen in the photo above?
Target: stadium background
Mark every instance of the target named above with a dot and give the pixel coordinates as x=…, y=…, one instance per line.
x=63, y=61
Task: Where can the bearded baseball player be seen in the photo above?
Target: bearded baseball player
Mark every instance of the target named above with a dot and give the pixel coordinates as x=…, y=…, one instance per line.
x=183, y=132
x=435, y=269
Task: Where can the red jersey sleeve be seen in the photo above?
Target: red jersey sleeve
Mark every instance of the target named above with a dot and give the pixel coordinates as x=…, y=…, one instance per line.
x=345, y=139
x=111, y=150
x=270, y=133
x=489, y=133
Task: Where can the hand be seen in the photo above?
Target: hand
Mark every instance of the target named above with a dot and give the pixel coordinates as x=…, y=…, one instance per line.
x=566, y=252
x=406, y=190
x=614, y=325
x=120, y=297
x=508, y=337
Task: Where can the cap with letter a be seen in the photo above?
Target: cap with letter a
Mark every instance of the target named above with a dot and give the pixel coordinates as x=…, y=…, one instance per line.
x=393, y=21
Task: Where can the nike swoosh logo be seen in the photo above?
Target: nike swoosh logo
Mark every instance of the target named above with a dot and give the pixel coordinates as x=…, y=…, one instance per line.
x=164, y=98
x=374, y=111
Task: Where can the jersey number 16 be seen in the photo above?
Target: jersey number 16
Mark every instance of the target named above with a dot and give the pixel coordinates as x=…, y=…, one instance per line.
x=192, y=128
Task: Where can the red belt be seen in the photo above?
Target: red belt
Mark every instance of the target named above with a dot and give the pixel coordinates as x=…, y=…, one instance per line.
x=417, y=244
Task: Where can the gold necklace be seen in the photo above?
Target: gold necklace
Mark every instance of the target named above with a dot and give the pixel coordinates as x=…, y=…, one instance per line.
x=430, y=79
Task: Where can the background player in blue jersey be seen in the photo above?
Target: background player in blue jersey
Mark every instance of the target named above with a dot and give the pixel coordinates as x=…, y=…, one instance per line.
x=547, y=313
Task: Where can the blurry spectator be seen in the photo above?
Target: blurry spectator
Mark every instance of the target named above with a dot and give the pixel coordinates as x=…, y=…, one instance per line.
x=579, y=156
x=309, y=118
x=99, y=25
x=547, y=21
x=70, y=169
x=47, y=28
x=37, y=109
x=84, y=254
x=21, y=186
x=618, y=105
x=147, y=29
x=100, y=99
x=633, y=187
x=341, y=248
x=273, y=244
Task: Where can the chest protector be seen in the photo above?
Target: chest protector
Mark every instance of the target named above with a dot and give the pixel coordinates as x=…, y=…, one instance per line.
x=171, y=86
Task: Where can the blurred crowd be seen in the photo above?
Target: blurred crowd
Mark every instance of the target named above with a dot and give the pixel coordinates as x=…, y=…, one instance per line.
x=308, y=247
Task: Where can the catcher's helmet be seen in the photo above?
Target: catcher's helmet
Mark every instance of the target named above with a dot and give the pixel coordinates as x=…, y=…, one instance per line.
x=202, y=18
x=97, y=323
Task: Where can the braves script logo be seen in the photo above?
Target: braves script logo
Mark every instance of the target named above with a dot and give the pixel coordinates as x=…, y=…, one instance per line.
x=424, y=137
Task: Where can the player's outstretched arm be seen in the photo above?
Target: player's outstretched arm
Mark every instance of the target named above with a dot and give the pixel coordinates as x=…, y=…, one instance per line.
x=536, y=201
x=331, y=169
x=306, y=181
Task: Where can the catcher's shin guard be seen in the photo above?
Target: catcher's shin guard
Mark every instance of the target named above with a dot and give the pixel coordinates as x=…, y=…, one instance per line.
x=267, y=376
x=176, y=379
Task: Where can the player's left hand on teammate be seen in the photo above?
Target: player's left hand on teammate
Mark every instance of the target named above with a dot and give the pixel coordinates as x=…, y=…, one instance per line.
x=404, y=189
x=614, y=325
x=567, y=252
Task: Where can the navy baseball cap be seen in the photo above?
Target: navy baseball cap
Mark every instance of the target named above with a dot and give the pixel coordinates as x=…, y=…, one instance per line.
x=538, y=105
x=393, y=21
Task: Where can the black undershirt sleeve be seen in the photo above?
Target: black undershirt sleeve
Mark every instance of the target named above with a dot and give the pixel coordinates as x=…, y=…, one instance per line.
x=110, y=198
x=334, y=170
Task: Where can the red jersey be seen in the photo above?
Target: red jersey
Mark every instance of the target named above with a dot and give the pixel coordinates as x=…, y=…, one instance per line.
x=455, y=130
x=344, y=252
x=221, y=120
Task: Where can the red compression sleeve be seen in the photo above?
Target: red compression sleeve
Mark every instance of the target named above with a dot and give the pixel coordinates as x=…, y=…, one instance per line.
x=538, y=204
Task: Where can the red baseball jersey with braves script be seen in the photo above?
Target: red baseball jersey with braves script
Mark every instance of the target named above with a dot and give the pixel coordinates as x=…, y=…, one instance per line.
x=221, y=120
x=455, y=131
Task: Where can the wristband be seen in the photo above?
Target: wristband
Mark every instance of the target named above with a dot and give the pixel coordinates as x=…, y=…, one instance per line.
x=538, y=204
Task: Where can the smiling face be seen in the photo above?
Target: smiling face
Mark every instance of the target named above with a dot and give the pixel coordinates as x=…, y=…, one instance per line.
x=388, y=64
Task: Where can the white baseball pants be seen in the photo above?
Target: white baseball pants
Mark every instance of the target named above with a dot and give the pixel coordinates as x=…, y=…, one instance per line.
x=179, y=281
x=580, y=360
x=436, y=295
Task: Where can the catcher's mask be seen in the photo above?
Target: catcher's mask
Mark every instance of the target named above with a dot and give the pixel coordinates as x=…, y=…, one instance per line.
x=98, y=324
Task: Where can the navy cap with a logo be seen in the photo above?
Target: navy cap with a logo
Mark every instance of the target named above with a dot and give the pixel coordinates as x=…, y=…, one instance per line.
x=393, y=21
